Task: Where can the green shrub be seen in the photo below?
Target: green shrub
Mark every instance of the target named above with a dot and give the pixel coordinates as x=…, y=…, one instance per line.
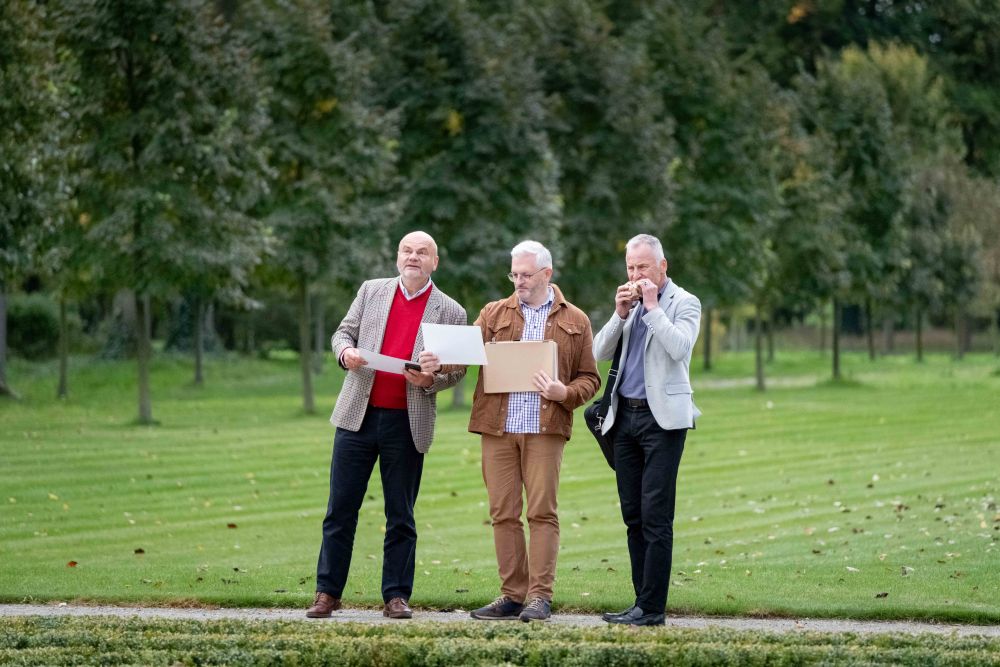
x=33, y=326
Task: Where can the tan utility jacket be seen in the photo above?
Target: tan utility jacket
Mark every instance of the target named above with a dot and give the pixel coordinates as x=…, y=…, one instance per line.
x=570, y=328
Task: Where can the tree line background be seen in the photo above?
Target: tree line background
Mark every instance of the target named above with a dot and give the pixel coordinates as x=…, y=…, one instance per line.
x=224, y=173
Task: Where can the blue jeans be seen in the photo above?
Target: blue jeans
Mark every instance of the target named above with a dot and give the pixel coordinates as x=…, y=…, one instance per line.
x=384, y=435
x=646, y=462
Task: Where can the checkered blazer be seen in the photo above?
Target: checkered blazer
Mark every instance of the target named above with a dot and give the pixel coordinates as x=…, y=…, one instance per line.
x=364, y=327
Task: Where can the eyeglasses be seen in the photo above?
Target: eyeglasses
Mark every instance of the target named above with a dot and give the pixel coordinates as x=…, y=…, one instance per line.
x=515, y=276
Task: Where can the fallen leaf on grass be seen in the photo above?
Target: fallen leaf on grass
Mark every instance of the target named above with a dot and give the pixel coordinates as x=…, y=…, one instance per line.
x=882, y=595
x=140, y=551
x=72, y=563
x=461, y=590
x=852, y=569
x=230, y=525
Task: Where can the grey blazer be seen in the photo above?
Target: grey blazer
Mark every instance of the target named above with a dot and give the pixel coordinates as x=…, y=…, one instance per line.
x=364, y=327
x=670, y=336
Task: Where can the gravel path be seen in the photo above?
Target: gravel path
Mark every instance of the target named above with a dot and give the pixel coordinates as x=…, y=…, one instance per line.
x=581, y=620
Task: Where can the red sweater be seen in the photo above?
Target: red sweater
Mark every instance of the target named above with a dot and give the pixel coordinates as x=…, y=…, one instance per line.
x=389, y=390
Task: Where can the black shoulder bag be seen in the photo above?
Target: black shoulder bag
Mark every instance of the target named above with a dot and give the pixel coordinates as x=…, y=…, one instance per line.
x=596, y=412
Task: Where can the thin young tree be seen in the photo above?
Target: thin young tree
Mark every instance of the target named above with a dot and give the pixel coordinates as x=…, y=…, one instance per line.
x=167, y=116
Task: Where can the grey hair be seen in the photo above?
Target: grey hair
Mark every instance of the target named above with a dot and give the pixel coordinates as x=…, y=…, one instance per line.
x=646, y=239
x=543, y=258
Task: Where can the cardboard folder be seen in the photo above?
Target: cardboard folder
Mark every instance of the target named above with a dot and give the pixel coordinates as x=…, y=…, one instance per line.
x=511, y=365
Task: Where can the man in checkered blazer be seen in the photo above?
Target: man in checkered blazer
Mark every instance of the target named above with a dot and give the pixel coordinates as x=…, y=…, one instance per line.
x=385, y=417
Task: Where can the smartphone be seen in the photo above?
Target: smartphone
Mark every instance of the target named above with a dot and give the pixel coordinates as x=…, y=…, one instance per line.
x=410, y=366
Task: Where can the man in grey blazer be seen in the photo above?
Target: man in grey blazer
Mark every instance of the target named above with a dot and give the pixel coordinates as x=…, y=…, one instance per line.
x=386, y=417
x=650, y=413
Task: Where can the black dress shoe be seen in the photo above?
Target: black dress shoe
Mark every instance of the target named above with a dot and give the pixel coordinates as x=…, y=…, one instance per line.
x=608, y=615
x=637, y=616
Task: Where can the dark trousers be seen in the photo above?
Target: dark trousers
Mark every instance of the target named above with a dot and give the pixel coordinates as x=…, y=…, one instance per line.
x=646, y=462
x=384, y=435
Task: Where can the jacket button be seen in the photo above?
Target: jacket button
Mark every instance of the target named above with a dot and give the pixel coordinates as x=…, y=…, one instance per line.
x=543, y=428
x=545, y=406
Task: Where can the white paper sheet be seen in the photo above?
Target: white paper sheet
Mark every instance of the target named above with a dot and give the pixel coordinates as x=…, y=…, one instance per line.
x=455, y=344
x=380, y=362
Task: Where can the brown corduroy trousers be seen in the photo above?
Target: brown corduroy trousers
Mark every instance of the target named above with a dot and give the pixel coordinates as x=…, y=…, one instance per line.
x=528, y=464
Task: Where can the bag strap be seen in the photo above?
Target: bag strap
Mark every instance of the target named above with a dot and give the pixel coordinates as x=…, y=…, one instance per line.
x=612, y=374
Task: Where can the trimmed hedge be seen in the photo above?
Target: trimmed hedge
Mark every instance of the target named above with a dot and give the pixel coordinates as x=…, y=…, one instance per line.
x=115, y=641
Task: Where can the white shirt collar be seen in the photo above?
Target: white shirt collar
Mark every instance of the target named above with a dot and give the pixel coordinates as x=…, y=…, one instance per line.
x=411, y=297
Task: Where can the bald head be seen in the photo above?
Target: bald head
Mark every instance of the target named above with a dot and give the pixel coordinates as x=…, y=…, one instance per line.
x=417, y=259
x=422, y=238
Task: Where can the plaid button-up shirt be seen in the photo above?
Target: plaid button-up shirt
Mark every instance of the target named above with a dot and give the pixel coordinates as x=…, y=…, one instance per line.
x=524, y=407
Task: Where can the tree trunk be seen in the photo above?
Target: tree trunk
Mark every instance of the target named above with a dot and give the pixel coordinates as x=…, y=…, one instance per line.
x=995, y=333
x=836, y=339
x=759, y=348
x=5, y=389
x=199, y=341
x=320, y=335
x=888, y=334
x=967, y=332
x=143, y=327
x=960, y=325
x=920, y=334
x=305, y=347
x=769, y=328
x=707, y=352
x=822, y=329
x=63, y=390
x=870, y=329
x=250, y=338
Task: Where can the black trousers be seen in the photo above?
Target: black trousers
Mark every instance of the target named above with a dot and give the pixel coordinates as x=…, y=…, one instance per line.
x=384, y=436
x=646, y=462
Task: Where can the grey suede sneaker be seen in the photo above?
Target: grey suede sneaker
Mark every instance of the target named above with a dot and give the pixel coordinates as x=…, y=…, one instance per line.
x=501, y=609
x=537, y=609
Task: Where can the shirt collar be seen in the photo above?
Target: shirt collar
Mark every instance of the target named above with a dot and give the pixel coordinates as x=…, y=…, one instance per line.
x=552, y=297
x=411, y=297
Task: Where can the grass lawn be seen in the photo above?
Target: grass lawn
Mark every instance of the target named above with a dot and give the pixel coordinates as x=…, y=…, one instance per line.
x=102, y=641
x=872, y=498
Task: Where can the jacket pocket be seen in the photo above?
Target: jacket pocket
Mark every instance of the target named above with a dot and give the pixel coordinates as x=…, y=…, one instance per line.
x=679, y=388
x=500, y=331
x=570, y=328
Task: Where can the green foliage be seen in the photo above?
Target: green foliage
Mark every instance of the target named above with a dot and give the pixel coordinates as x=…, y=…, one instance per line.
x=24, y=112
x=331, y=150
x=85, y=641
x=477, y=168
x=612, y=137
x=33, y=321
x=168, y=114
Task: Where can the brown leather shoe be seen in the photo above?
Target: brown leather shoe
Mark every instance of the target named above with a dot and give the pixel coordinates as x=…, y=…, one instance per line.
x=397, y=608
x=323, y=606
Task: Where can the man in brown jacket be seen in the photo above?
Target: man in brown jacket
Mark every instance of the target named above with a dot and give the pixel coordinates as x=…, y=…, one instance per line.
x=523, y=433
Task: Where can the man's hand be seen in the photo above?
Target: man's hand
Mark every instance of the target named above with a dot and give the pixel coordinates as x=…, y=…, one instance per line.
x=429, y=362
x=624, y=298
x=352, y=359
x=419, y=378
x=649, y=300
x=550, y=389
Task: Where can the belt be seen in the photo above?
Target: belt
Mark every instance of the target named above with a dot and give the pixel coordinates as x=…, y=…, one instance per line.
x=634, y=402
